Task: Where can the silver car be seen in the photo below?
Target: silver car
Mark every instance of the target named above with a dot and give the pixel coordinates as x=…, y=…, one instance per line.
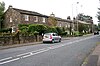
x=51, y=37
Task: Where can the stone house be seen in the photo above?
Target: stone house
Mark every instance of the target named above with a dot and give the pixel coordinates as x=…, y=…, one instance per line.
x=14, y=16
x=67, y=24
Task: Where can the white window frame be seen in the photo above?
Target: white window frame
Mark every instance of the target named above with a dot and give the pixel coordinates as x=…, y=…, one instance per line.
x=44, y=20
x=36, y=20
x=59, y=25
x=26, y=17
x=68, y=25
x=10, y=19
x=13, y=29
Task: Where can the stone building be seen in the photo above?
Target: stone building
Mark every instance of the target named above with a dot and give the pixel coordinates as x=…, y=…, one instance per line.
x=14, y=17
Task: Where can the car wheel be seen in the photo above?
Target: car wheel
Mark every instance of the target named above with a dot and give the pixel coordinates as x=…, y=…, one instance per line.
x=43, y=41
x=59, y=40
x=53, y=41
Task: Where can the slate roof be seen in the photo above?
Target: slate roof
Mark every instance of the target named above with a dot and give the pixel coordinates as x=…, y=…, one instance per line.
x=65, y=20
x=29, y=12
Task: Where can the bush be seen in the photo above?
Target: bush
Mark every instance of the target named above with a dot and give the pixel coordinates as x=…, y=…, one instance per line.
x=51, y=29
x=32, y=28
x=6, y=30
x=21, y=25
x=36, y=33
x=77, y=33
x=64, y=33
x=41, y=28
x=59, y=30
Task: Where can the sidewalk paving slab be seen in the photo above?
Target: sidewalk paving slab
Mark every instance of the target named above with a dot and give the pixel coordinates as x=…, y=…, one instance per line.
x=97, y=52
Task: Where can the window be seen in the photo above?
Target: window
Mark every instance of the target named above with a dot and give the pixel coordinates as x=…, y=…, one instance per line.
x=66, y=26
x=10, y=19
x=26, y=17
x=35, y=19
x=43, y=20
x=60, y=25
x=13, y=29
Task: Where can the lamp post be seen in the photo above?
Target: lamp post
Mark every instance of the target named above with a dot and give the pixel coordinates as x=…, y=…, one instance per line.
x=77, y=14
x=72, y=22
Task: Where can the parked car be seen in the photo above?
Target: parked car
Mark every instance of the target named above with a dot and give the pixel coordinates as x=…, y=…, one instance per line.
x=51, y=37
x=96, y=32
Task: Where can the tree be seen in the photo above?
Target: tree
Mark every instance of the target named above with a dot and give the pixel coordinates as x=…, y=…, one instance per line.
x=2, y=8
x=98, y=15
x=99, y=26
x=81, y=28
x=85, y=18
x=52, y=21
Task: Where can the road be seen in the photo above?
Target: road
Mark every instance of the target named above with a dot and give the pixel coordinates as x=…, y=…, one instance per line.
x=67, y=53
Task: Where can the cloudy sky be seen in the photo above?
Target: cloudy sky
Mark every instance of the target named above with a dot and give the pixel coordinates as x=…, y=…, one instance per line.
x=61, y=8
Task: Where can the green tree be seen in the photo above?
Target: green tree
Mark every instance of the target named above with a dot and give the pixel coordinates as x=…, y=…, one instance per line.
x=2, y=8
x=52, y=21
x=81, y=28
x=99, y=26
x=98, y=14
x=85, y=18
x=95, y=28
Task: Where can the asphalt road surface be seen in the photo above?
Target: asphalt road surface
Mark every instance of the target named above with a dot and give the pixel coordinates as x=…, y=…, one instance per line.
x=66, y=53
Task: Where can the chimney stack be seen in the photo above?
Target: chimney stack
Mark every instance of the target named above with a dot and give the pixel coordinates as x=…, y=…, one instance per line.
x=10, y=6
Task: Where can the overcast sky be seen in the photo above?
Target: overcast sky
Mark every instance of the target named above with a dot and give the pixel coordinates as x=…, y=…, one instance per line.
x=61, y=8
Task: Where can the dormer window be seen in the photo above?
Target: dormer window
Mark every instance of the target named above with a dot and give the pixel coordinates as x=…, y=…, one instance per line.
x=26, y=17
x=10, y=19
x=43, y=20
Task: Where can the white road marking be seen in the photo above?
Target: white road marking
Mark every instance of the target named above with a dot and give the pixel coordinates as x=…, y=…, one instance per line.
x=28, y=54
x=9, y=61
x=5, y=59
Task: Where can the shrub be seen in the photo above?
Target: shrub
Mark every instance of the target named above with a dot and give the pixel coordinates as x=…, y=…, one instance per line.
x=36, y=33
x=6, y=30
x=32, y=28
x=59, y=30
x=64, y=33
x=77, y=33
x=52, y=29
x=41, y=28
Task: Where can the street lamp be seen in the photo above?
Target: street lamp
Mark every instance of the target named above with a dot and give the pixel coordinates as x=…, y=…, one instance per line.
x=77, y=14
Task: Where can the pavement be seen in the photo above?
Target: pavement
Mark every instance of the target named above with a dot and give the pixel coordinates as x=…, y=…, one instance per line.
x=97, y=52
